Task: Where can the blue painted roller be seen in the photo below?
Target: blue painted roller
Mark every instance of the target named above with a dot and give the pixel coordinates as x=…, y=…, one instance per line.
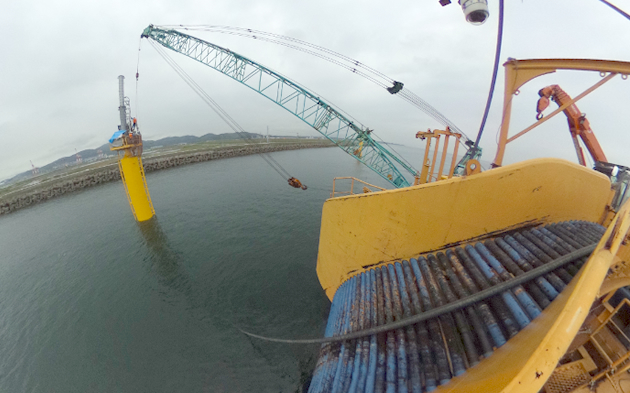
x=420, y=357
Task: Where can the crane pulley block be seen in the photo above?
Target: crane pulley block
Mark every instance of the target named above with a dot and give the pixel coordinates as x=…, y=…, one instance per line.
x=395, y=88
x=295, y=183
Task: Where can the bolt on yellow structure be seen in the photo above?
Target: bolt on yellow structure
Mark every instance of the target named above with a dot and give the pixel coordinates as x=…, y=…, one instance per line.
x=127, y=141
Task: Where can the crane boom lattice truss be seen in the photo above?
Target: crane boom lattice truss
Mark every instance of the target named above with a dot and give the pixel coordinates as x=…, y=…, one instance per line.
x=306, y=106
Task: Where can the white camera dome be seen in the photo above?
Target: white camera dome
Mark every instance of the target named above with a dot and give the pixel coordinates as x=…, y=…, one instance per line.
x=475, y=11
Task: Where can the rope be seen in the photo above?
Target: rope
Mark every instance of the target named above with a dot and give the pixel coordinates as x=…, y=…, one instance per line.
x=439, y=311
x=240, y=132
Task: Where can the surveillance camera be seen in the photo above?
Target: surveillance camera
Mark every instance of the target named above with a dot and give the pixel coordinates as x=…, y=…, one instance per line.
x=475, y=11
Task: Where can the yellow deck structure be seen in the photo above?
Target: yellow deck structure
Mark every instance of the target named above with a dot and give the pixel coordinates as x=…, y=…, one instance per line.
x=363, y=232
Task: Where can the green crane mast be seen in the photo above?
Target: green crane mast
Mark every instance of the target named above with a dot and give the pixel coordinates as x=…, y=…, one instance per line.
x=289, y=95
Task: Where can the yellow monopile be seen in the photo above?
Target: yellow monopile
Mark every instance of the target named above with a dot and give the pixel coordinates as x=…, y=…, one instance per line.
x=133, y=178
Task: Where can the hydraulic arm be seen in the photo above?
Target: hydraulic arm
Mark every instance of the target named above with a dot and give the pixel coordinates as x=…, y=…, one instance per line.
x=578, y=124
x=289, y=95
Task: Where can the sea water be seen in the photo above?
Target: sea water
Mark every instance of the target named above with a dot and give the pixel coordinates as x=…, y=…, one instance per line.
x=91, y=301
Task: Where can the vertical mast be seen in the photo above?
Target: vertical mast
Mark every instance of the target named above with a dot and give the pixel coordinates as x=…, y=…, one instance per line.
x=122, y=108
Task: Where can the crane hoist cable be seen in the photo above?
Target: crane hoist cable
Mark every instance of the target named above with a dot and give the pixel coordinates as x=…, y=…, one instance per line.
x=218, y=110
x=138, y=76
x=291, y=96
x=302, y=46
x=352, y=65
x=226, y=117
x=614, y=7
x=280, y=43
x=346, y=62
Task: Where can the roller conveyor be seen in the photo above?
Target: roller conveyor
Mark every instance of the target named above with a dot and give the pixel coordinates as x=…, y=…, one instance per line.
x=421, y=357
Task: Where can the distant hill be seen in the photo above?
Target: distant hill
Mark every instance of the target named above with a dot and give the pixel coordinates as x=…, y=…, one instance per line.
x=92, y=154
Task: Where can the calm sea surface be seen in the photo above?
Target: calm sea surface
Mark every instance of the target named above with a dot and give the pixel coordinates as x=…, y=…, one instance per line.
x=91, y=301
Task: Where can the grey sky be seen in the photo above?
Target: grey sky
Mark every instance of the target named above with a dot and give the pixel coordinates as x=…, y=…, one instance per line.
x=60, y=61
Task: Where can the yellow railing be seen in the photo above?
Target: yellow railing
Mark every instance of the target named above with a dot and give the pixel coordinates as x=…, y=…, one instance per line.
x=428, y=173
x=367, y=187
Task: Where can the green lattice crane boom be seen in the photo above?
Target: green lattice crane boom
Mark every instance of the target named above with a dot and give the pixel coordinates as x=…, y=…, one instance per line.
x=289, y=95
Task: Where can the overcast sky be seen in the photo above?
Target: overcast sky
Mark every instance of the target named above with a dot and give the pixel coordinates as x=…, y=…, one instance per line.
x=60, y=61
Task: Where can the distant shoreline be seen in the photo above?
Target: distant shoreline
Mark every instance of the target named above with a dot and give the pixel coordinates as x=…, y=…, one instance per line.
x=53, y=188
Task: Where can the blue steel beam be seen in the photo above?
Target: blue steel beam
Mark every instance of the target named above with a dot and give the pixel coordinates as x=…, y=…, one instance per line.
x=306, y=106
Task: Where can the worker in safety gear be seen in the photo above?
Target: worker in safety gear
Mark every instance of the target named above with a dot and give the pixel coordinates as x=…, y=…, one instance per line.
x=135, y=124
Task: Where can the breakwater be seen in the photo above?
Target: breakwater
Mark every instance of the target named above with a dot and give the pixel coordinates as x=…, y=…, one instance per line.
x=43, y=192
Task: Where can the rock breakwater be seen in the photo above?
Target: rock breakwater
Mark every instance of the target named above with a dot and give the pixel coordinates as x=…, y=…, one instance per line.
x=39, y=193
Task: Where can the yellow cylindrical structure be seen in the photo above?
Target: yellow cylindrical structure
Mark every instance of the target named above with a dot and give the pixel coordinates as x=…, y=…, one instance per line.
x=133, y=178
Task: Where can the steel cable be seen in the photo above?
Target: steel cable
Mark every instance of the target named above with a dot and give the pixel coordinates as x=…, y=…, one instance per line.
x=333, y=57
x=210, y=102
x=277, y=38
x=450, y=307
x=614, y=7
x=240, y=132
